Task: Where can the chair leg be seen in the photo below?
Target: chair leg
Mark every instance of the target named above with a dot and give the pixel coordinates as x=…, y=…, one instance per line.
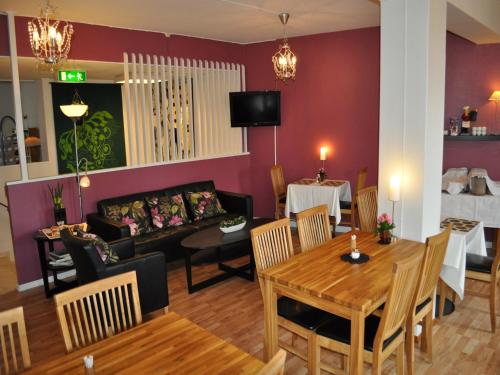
x=313, y=354
x=493, y=299
x=442, y=297
x=277, y=213
x=376, y=365
x=410, y=346
x=400, y=359
x=427, y=341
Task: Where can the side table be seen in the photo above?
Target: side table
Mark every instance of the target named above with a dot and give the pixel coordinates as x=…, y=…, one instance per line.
x=59, y=285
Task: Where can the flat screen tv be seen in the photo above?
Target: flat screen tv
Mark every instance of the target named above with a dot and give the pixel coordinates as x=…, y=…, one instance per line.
x=255, y=108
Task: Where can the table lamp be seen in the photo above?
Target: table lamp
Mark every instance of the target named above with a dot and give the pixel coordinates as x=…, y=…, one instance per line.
x=495, y=96
x=394, y=191
x=322, y=155
x=75, y=111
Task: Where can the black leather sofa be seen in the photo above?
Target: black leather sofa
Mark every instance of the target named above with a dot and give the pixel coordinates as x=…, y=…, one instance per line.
x=150, y=268
x=167, y=240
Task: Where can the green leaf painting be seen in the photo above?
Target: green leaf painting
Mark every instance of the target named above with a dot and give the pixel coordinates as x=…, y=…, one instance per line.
x=100, y=133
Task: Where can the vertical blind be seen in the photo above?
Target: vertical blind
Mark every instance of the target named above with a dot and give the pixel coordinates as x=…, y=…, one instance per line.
x=178, y=109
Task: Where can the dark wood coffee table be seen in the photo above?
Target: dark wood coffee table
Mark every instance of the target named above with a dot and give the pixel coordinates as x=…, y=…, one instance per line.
x=213, y=238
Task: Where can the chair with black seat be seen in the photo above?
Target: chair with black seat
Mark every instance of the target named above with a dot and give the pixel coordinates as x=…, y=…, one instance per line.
x=279, y=189
x=424, y=298
x=383, y=335
x=349, y=208
x=367, y=205
x=150, y=268
x=486, y=269
x=272, y=244
x=313, y=226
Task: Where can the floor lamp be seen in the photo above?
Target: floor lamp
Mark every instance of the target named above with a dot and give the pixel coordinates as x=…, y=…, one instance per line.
x=75, y=111
x=394, y=192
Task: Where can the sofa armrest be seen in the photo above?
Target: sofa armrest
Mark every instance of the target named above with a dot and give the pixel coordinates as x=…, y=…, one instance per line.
x=236, y=203
x=124, y=248
x=151, y=272
x=108, y=230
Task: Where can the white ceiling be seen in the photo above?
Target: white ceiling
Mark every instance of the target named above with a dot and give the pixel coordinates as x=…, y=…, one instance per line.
x=245, y=21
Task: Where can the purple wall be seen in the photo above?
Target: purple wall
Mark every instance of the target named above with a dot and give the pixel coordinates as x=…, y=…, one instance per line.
x=334, y=101
x=472, y=74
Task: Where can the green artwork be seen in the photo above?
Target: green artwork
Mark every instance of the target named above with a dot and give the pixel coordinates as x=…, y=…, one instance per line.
x=99, y=133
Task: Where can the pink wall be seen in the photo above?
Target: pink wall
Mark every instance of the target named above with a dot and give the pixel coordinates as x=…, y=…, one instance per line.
x=334, y=101
x=472, y=74
x=31, y=207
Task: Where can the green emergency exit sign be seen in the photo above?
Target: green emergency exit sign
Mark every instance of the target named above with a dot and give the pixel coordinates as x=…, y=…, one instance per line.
x=72, y=75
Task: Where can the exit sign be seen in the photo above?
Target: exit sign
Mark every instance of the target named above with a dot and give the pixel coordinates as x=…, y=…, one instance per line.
x=72, y=76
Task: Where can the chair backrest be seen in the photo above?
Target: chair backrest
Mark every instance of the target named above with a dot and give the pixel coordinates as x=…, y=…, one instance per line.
x=97, y=310
x=435, y=251
x=366, y=200
x=8, y=320
x=278, y=181
x=360, y=183
x=401, y=293
x=272, y=244
x=276, y=366
x=314, y=227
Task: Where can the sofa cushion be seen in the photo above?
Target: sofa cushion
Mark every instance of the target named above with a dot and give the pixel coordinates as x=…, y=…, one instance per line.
x=106, y=253
x=204, y=204
x=167, y=211
x=134, y=213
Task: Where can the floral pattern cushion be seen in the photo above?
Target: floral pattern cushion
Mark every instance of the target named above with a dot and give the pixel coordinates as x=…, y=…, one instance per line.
x=167, y=211
x=133, y=213
x=204, y=204
x=106, y=253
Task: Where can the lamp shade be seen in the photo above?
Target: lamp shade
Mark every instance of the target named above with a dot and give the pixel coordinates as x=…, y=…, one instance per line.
x=85, y=181
x=74, y=110
x=495, y=96
x=322, y=153
x=395, y=188
x=32, y=141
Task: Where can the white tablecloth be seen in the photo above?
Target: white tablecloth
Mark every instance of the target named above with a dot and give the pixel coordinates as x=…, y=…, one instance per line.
x=485, y=208
x=460, y=243
x=302, y=196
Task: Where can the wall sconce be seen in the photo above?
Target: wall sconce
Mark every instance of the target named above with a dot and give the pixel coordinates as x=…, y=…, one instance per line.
x=495, y=96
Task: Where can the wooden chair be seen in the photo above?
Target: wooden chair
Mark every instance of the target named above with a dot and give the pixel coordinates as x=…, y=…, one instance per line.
x=98, y=310
x=423, y=301
x=276, y=366
x=8, y=320
x=272, y=244
x=279, y=188
x=384, y=335
x=349, y=208
x=366, y=200
x=486, y=269
x=314, y=227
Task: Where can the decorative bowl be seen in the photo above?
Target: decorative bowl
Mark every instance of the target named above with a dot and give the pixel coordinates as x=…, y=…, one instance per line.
x=233, y=228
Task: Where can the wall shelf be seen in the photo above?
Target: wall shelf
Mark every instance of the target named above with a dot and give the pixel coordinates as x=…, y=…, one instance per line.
x=472, y=138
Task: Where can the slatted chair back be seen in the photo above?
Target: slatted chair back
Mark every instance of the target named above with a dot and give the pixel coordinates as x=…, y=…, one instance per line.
x=435, y=251
x=13, y=360
x=366, y=200
x=360, y=183
x=314, y=227
x=278, y=180
x=405, y=276
x=98, y=310
x=276, y=366
x=272, y=244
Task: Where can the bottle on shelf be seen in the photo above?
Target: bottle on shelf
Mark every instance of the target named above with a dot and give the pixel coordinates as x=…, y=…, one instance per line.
x=465, y=129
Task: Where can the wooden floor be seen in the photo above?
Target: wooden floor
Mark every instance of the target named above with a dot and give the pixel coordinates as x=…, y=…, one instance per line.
x=233, y=311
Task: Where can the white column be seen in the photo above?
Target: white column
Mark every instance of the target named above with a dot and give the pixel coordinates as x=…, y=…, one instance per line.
x=412, y=79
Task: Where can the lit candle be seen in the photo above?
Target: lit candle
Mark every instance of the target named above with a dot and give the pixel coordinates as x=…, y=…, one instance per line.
x=322, y=153
x=394, y=188
x=353, y=242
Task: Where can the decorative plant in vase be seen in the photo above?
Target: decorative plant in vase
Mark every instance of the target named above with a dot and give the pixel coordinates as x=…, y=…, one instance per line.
x=384, y=227
x=321, y=175
x=59, y=210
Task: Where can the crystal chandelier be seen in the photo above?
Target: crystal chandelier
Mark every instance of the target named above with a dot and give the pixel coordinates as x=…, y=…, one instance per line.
x=284, y=60
x=50, y=40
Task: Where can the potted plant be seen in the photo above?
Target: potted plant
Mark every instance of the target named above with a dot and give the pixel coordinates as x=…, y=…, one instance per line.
x=59, y=210
x=321, y=175
x=384, y=227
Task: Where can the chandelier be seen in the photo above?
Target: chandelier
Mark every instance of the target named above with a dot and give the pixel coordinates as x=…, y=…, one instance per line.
x=284, y=60
x=50, y=40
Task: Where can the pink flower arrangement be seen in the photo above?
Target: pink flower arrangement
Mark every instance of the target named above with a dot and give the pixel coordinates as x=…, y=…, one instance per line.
x=385, y=223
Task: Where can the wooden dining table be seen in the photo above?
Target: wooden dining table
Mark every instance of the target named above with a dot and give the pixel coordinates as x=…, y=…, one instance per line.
x=321, y=279
x=169, y=344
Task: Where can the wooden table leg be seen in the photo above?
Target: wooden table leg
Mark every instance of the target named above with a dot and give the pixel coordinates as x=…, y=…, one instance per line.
x=357, y=342
x=270, y=321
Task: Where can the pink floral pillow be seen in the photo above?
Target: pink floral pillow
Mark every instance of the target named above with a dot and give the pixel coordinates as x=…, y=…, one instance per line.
x=204, y=204
x=167, y=211
x=133, y=214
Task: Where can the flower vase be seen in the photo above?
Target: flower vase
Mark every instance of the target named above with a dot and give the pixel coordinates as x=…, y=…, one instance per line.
x=385, y=237
x=60, y=215
x=321, y=176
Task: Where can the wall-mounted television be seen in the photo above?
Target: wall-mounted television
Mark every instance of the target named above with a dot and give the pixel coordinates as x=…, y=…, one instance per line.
x=255, y=108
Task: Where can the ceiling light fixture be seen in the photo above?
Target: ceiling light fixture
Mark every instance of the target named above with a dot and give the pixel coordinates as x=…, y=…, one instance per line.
x=50, y=40
x=284, y=60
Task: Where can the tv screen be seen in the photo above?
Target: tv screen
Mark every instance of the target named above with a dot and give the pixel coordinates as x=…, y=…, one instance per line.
x=255, y=108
